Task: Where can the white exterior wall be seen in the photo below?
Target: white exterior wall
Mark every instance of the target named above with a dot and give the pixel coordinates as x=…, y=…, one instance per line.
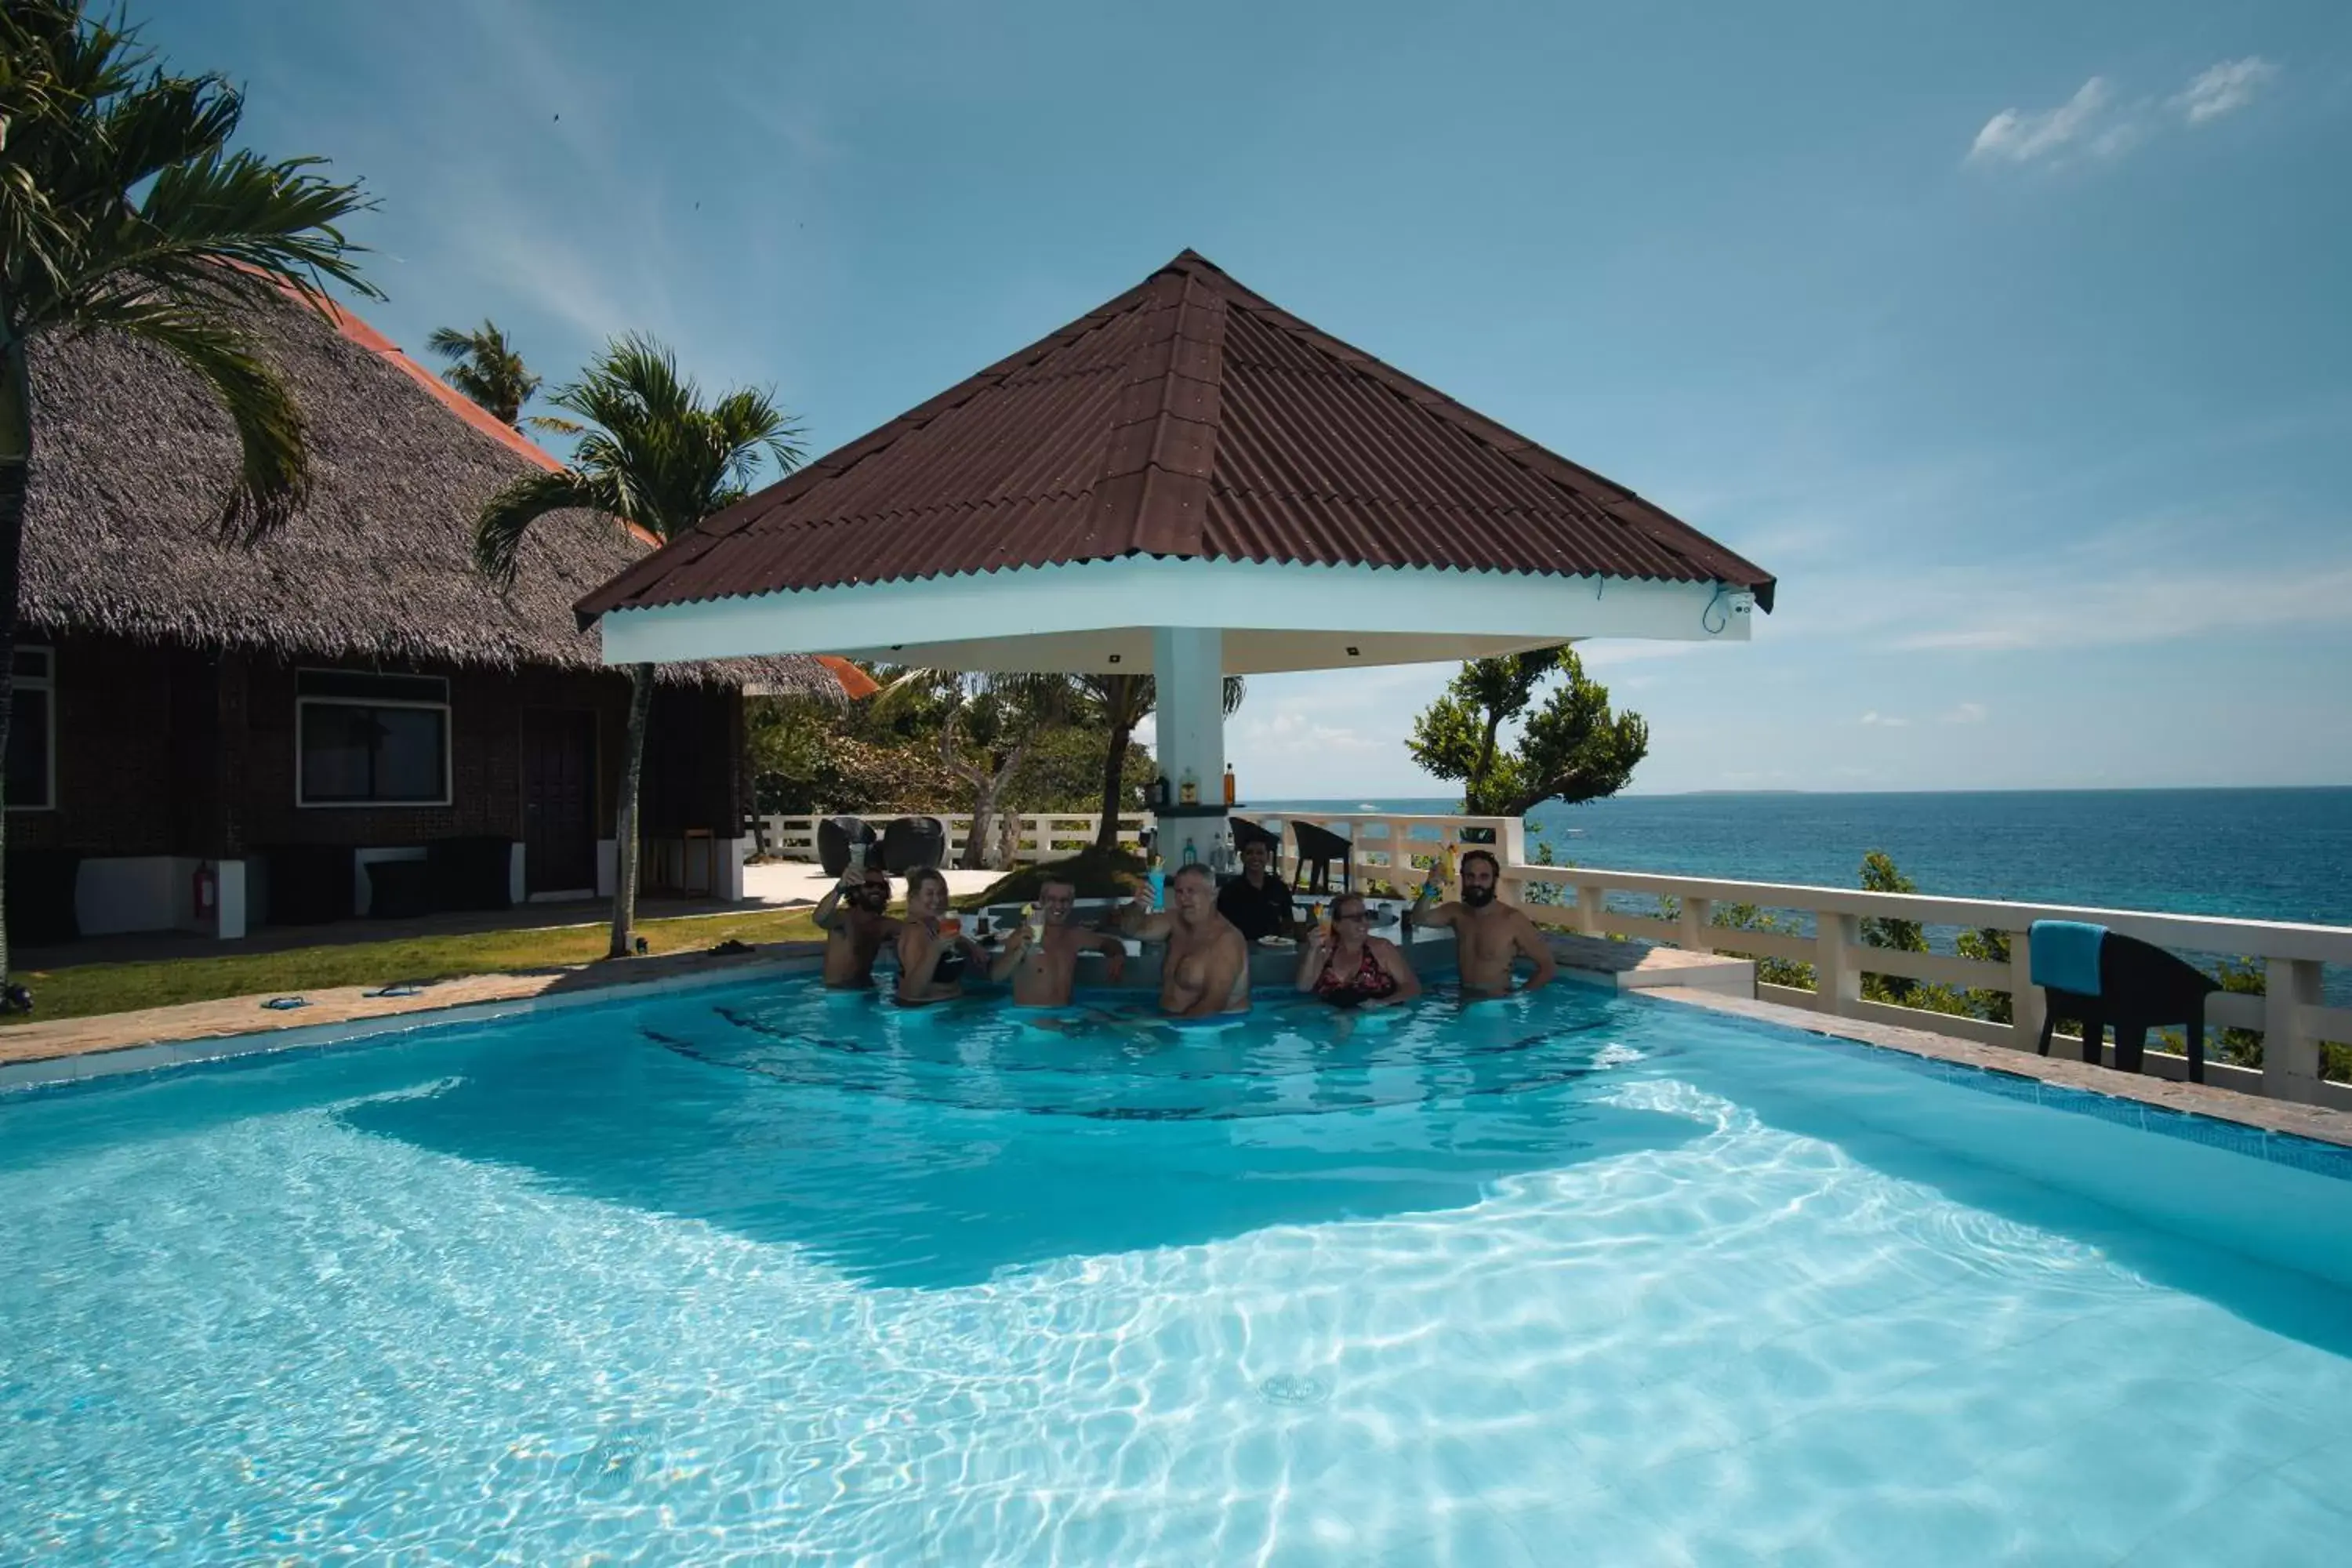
x=117, y=894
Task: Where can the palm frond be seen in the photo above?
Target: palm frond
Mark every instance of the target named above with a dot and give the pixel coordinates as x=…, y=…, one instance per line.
x=123, y=182
x=274, y=464
x=507, y=516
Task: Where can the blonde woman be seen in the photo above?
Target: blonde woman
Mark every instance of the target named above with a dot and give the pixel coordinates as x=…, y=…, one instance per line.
x=931, y=966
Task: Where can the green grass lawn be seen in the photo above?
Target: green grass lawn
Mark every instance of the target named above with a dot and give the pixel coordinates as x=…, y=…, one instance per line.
x=83, y=990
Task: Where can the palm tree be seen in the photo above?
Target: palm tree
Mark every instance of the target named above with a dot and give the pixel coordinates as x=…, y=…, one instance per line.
x=123, y=209
x=652, y=454
x=488, y=369
x=1116, y=703
x=1120, y=703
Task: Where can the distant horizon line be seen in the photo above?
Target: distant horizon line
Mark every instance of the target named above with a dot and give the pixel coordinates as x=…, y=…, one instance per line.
x=1999, y=789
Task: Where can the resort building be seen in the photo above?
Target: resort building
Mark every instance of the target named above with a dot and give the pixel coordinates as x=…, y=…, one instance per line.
x=346, y=718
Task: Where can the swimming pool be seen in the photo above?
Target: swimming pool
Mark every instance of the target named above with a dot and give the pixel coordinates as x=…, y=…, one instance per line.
x=759, y=1275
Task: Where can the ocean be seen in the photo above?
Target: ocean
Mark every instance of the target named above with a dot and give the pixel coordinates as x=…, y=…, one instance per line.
x=2258, y=854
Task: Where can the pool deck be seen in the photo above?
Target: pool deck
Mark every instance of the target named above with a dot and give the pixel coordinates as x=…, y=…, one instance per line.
x=1696, y=980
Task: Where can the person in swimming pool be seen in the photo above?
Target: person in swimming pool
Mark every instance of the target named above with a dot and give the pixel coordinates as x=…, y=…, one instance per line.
x=1488, y=935
x=1206, y=970
x=1045, y=972
x=851, y=914
x=1347, y=966
x=931, y=966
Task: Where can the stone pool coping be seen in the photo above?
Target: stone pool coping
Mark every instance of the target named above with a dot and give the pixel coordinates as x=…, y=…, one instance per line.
x=2319, y=1123
x=108, y=1044
x=70, y=1049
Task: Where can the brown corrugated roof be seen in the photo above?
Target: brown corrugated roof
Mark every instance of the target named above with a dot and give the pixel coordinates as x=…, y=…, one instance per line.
x=1187, y=417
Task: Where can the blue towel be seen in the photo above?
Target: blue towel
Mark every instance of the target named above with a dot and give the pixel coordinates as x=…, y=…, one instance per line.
x=2066, y=955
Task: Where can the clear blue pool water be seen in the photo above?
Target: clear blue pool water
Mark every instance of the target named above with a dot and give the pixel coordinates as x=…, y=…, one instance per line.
x=758, y=1276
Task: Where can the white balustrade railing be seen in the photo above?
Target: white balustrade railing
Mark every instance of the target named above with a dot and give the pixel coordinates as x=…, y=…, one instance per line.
x=1398, y=848
x=2290, y=1015
x=1043, y=834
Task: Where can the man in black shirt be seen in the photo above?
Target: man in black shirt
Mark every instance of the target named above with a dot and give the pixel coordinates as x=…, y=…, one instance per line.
x=1256, y=901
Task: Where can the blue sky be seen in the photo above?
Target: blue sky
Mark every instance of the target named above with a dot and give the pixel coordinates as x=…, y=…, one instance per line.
x=2013, y=337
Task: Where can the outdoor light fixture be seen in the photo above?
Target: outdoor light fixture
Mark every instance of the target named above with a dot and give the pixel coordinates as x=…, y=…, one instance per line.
x=1114, y=658
x=1352, y=653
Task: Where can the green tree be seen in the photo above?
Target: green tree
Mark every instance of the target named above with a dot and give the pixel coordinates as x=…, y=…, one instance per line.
x=1574, y=748
x=1115, y=704
x=653, y=454
x=1769, y=969
x=1879, y=875
x=1118, y=704
x=1987, y=944
x=124, y=209
x=487, y=368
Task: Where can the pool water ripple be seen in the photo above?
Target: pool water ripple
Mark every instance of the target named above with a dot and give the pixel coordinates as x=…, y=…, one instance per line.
x=1576, y=1281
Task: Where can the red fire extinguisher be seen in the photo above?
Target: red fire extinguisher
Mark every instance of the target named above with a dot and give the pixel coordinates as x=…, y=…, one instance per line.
x=207, y=888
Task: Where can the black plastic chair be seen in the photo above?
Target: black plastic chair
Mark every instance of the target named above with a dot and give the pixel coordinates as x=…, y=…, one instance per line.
x=1319, y=849
x=835, y=835
x=914, y=844
x=1246, y=833
x=2140, y=986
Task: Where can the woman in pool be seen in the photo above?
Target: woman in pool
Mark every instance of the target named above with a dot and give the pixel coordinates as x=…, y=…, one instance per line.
x=931, y=966
x=1347, y=966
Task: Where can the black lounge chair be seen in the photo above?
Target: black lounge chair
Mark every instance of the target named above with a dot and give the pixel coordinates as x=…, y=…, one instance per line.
x=1319, y=849
x=2090, y=972
x=835, y=835
x=915, y=844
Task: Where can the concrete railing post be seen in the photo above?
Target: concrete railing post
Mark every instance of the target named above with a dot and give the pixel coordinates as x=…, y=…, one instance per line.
x=1590, y=902
x=1837, y=976
x=2027, y=1004
x=1697, y=915
x=2290, y=1051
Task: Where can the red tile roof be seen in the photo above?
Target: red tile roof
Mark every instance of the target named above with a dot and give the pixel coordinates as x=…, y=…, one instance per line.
x=1187, y=417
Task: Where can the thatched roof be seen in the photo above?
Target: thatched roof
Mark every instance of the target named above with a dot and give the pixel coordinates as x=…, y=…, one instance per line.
x=131, y=461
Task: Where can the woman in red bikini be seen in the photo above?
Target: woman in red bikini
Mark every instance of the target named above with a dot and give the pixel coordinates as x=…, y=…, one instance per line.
x=1347, y=966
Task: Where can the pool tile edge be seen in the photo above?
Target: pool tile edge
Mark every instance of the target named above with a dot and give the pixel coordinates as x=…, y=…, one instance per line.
x=2319, y=1123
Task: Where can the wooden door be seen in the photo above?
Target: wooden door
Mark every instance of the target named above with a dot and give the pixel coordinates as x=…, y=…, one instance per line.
x=559, y=801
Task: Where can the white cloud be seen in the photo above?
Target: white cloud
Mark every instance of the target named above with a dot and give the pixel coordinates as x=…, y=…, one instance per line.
x=1967, y=714
x=1999, y=614
x=2220, y=89
x=2025, y=136
x=1876, y=720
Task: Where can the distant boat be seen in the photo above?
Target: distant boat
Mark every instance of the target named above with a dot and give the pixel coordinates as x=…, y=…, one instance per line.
x=1366, y=805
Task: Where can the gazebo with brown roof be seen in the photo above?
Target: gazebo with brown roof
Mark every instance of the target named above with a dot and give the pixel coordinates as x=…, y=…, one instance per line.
x=1189, y=480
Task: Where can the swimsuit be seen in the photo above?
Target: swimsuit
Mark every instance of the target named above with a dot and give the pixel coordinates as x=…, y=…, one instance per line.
x=1370, y=983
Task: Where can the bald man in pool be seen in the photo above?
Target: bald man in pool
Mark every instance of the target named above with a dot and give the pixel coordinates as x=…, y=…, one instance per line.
x=1206, y=971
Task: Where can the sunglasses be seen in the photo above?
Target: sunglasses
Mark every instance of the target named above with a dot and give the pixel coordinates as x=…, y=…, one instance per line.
x=1359, y=915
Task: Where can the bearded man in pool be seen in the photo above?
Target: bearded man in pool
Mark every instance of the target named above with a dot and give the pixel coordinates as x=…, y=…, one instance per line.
x=851, y=914
x=1488, y=933
x=1206, y=971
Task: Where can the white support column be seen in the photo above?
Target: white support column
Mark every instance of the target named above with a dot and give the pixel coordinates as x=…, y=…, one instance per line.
x=1189, y=665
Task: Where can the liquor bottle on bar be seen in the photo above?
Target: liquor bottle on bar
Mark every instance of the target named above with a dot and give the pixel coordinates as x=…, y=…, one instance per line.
x=1229, y=784
x=1190, y=795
